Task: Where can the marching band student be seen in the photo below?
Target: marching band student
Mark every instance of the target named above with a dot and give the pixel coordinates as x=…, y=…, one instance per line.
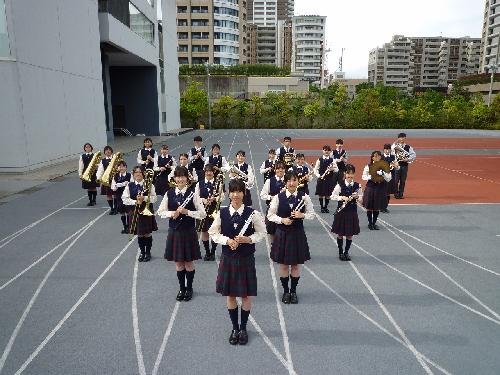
x=105, y=190
x=402, y=172
x=391, y=185
x=118, y=184
x=218, y=162
x=164, y=164
x=83, y=163
x=183, y=162
x=182, y=206
x=346, y=221
x=237, y=228
x=206, y=189
x=197, y=156
x=325, y=170
x=290, y=248
x=247, y=175
x=285, y=149
x=267, y=167
x=147, y=156
x=271, y=188
x=375, y=195
x=340, y=156
x=302, y=170
x=135, y=197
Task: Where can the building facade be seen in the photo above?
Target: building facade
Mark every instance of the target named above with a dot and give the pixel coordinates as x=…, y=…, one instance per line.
x=270, y=44
x=212, y=31
x=490, y=38
x=349, y=83
x=419, y=64
x=74, y=71
x=308, y=45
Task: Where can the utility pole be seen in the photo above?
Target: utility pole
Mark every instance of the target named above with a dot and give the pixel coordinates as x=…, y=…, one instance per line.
x=207, y=68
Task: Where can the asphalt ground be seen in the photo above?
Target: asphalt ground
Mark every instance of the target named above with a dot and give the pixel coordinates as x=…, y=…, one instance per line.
x=420, y=296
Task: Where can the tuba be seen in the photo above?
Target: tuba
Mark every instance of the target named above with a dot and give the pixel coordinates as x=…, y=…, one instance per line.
x=111, y=170
x=92, y=167
x=377, y=166
x=400, y=153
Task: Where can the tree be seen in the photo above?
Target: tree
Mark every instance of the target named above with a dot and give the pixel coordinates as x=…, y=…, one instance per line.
x=194, y=103
x=258, y=110
x=363, y=86
x=312, y=110
x=222, y=108
x=242, y=111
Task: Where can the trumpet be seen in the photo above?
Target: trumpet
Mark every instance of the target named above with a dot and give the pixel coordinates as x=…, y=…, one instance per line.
x=92, y=167
x=394, y=164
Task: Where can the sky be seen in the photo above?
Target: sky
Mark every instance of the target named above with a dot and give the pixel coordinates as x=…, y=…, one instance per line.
x=361, y=25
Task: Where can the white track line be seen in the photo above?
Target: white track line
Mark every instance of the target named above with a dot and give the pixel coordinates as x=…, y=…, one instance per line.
x=438, y=249
x=459, y=172
x=161, y=352
x=14, y=235
x=442, y=272
x=33, y=299
x=389, y=316
x=71, y=311
x=284, y=333
x=135, y=323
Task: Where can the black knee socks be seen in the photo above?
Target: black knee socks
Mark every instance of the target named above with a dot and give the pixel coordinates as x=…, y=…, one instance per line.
x=244, y=318
x=327, y=202
x=94, y=195
x=181, y=276
x=375, y=216
x=189, y=279
x=233, y=314
x=214, y=246
x=148, y=244
x=295, y=281
x=110, y=203
x=124, y=221
x=321, y=202
x=369, y=214
x=284, y=283
x=142, y=244
x=89, y=194
x=347, y=245
x=206, y=246
x=340, y=244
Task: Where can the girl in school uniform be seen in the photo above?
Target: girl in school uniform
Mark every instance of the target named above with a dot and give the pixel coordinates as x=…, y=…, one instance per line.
x=248, y=171
x=272, y=187
x=326, y=171
x=147, y=156
x=165, y=164
x=375, y=195
x=106, y=190
x=183, y=162
x=346, y=221
x=267, y=167
x=290, y=248
x=120, y=181
x=237, y=228
x=182, y=206
x=302, y=171
x=134, y=197
x=218, y=161
x=83, y=163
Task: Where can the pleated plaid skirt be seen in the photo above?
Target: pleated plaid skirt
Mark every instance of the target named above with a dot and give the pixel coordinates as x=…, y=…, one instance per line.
x=122, y=209
x=145, y=224
x=247, y=200
x=270, y=226
x=92, y=184
x=346, y=223
x=290, y=246
x=207, y=223
x=375, y=196
x=237, y=276
x=182, y=245
x=105, y=190
x=161, y=184
x=324, y=187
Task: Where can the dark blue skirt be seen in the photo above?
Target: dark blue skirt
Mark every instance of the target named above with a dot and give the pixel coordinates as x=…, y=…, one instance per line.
x=346, y=223
x=237, y=276
x=375, y=196
x=324, y=187
x=92, y=184
x=290, y=246
x=182, y=245
x=105, y=190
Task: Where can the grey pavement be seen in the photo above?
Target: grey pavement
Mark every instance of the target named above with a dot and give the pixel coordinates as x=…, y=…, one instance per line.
x=420, y=296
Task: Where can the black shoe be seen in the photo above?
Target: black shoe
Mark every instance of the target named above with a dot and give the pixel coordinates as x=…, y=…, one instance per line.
x=385, y=211
x=235, y=336
x=111, y=212
x=141, y=258
x=243, y=337
x=93, y=203
x=370, y=226
x=124, y=230
x=90, y=203
x=293, y=298
x=341, y=257
x=212, y=257
x=180, y=295
x=115, y=211
x=206, y=257
x=147, y=258
x=188, y=295
x=286, y=298
x=322, y=210
x=375, y=227
x=327, y=211
x=347, y=258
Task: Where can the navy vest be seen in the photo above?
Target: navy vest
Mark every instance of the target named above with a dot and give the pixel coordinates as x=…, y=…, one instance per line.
x=284, y=210
x=338, y=155
x=389, y=158
x=120, y=179
x=217, y=163
x=407, y=149
x=275, y=186
x=105, y=162
x=205, y=189
x=243, y=167
x=228, y=230
x=198, y=163
x=323, y=165
x=144, y=156
x=134, y=189
x=165, y=162
x=183, y=222
x=86, y=160
x=283, y=152
x=268, y=164
x=347, y=192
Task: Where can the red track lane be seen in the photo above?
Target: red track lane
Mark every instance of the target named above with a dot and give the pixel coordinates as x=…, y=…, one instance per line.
x=416, y=143
x=445, y=179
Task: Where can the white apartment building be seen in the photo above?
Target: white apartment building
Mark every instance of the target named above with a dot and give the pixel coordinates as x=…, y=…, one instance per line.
x=268, y=12
x=308, y=45
x=491, y=35
x=458, y=57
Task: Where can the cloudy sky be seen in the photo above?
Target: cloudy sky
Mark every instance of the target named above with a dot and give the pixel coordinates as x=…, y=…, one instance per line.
x=360, y=25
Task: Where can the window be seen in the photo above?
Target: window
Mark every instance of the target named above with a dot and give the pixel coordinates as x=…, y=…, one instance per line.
x=199, y=9
x=182, y=35
x=183, y=60
x=199, y=22
x=200, y=60
x=140, y=24
x=182, y=48
x=4, y=36
x=182, y=22
x=182, y=9
x=199, y=48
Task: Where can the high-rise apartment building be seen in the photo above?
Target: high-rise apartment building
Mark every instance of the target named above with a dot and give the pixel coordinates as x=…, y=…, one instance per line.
x=269, y=12
x=212, y=32
x=490, y=38
x=308, y=45
x=423, y=63
x=270, y=44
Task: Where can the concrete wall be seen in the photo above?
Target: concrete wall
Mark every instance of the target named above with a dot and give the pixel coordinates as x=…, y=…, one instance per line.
x=136, y=89
x=236, y=87
x=484, y=89
x=52, y=93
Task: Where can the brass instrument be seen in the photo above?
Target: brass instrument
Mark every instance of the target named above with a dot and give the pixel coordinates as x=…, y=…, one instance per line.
x=238, y=172
x=173, y=184
x=394, y=164
x=304, y=179
x=377, y=166
x=289, y=159
x=111, y=170
x=210, y=208
x=148, y=183
x=400, y=153
x=92, y=167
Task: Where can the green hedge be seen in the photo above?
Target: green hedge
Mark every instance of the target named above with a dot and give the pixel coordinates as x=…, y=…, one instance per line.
x=266, y=70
